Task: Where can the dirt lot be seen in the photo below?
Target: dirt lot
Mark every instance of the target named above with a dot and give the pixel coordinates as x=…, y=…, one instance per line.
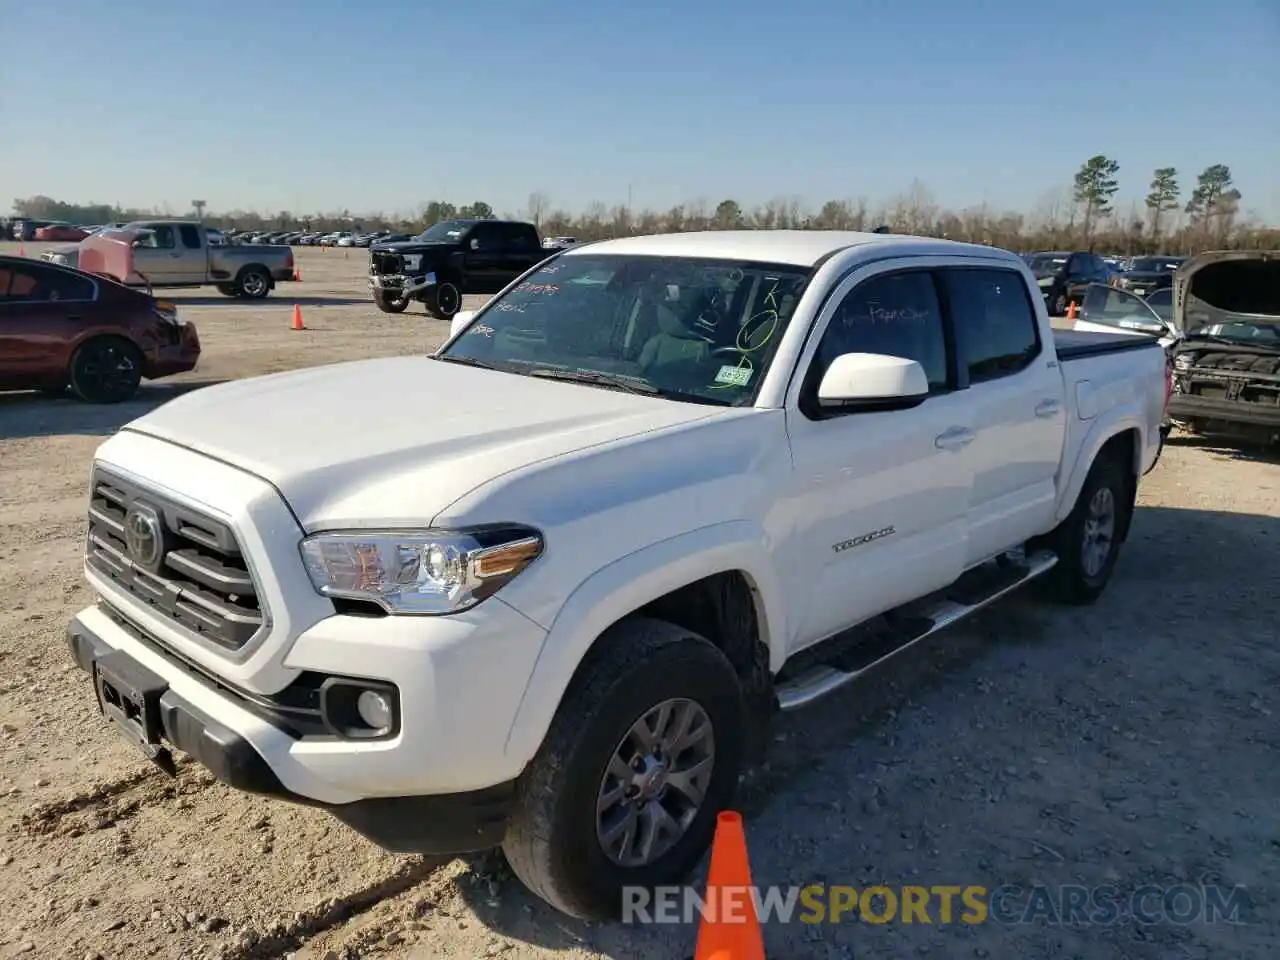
x=1127, y=744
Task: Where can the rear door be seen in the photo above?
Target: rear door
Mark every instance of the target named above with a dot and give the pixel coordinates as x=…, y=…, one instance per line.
x=193, y=264
x=1018, y=407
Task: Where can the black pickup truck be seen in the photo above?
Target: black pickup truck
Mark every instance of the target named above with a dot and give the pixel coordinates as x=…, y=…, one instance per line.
x=449, y=260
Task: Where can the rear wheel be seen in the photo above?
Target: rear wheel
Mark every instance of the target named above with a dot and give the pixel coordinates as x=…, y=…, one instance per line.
x=390, y=304
x=253, y=283
x=645, y=750
x=443, y=300
x=1088, y=541
x=106, y=370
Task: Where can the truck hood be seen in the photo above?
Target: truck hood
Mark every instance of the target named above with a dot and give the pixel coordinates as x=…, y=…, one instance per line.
x=394, y=442
x=1227, y=286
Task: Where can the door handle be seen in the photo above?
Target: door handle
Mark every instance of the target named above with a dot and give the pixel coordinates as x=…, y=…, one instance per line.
x=175, y=256
x=954, y=439
x=1047, y=408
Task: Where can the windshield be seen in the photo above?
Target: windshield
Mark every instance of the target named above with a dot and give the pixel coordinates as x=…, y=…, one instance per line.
x=444, y=230
x=1162, y=303
x=699, y=330
x=1047, y=262
x=1156, y=264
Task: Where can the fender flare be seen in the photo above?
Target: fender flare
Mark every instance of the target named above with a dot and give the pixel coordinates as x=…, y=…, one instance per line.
x=624, y=586
x=1100, y=432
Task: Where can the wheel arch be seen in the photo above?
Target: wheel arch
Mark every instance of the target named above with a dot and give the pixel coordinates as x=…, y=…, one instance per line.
x=716, y=581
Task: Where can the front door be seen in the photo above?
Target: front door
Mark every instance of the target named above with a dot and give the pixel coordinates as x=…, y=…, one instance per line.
x=879, y=498
x=486, y=257
x=1112, y=310
x=158, y=257
x=1016, y=390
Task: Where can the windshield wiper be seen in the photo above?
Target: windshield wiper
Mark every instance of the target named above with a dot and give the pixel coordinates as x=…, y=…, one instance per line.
x=618, y=380
x=469, y=361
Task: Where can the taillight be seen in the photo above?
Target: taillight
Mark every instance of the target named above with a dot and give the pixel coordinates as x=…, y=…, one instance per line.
x=288, y=256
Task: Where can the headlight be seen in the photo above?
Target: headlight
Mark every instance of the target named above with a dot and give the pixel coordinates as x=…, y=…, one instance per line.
x=426, y=572
x=1182, y=362
x=58, y=258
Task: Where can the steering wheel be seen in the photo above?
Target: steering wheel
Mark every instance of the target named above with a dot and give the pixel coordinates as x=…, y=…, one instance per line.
x=727, y=352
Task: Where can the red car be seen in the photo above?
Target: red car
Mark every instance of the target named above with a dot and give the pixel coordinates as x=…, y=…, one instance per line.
x=61, y=232
x=64, y=329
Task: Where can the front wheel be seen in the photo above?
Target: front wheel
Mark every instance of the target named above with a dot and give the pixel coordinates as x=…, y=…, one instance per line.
x=645, y=750
x=105, y=370
x=1088, y=541
x=443, y=300
x=390, y=304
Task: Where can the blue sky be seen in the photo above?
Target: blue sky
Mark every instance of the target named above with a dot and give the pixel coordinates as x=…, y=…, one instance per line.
x=310, y=105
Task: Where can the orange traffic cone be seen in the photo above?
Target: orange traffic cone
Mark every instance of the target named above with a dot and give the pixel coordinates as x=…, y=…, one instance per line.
x=1071, y=310
x=730, y=929
x=297, y=319
x=297, y=275
x=22, y=250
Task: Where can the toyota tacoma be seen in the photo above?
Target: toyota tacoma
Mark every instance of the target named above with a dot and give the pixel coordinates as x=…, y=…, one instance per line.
x=550, y=595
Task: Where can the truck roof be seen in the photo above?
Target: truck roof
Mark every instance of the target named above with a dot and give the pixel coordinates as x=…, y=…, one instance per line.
x=801, y=248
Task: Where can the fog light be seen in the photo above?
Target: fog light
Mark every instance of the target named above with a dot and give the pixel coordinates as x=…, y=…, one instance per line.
x=374, y=709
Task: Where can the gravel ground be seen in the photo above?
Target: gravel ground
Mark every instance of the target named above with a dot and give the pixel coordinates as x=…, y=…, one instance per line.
x=1126, y=744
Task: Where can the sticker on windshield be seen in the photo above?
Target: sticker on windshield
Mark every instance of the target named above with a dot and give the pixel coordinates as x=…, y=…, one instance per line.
x=734, y=376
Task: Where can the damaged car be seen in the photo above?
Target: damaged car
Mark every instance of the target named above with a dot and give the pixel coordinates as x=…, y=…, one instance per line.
x=1223, y=339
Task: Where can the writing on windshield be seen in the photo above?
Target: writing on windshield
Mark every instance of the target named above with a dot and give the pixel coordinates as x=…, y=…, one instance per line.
x=685, y=328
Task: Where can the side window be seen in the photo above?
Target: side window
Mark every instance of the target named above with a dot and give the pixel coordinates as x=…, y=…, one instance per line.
x=519, y=237
x=487, y=235
x=994, y=320
x=1114, y=307
x=161, y=237
x=36, y=284
x=895, y=314
x=1077, y=265
x=190, y=236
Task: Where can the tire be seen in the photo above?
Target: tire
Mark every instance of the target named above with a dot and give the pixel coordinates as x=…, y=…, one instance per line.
x=253, y=283
x=443, y=300
x=105, y=370
x=389, y=304
x=229, y=289
x=553, y=842
x=1082, y=573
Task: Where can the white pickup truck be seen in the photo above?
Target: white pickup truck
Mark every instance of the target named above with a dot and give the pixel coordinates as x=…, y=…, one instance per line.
x=545, y=588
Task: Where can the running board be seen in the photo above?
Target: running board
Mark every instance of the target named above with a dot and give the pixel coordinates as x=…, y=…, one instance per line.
x=956, y=603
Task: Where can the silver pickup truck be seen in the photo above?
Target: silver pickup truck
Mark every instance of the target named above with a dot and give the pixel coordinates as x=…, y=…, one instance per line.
x=178, y=253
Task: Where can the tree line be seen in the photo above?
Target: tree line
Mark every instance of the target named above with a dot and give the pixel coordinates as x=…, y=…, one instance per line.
x=1081, y=217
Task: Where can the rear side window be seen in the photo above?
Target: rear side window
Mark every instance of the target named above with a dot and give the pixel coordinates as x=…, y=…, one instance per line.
x=190, y=236
x=36, y=284
x=994, y=320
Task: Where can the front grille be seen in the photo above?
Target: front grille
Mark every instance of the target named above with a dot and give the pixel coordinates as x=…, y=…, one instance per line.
x=385, y=264
x=197, y=576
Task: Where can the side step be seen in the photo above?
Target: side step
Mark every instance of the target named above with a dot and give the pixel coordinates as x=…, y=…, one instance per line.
x=896, y=633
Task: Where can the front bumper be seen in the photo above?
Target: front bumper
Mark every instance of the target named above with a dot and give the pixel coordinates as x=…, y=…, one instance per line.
x=401, y=285
x=242, y=748
x=172, y=358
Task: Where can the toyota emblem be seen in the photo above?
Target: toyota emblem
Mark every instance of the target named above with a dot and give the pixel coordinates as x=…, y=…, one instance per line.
x=144, y=536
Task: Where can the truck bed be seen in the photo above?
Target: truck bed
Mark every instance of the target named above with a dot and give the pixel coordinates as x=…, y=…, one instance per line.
x=1077, y=344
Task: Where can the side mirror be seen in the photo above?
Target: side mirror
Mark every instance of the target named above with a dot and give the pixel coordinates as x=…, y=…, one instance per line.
x=475, y=244
x=460, y=321
x=872, y=381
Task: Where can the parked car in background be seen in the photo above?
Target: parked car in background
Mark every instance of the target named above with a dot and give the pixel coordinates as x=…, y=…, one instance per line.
x=1148, y=274
x=62, y=329
x=449, y=260
x=1220, y=323
x=176, y=253
x=1064, y=277
x=60, y=233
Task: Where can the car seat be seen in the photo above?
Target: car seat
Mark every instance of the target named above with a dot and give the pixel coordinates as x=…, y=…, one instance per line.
x=673, y=343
